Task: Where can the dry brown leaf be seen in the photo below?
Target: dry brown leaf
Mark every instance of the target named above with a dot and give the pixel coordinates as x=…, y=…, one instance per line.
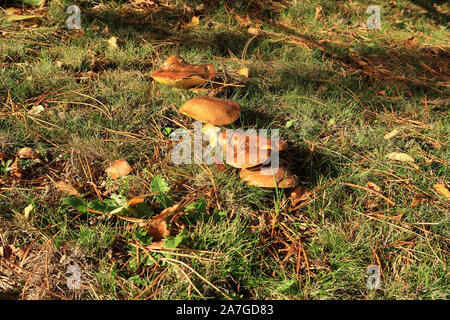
x=400, y=156
x=391, y=134
x=157, y=229
x=253, y=31
x=243, y=21
x=112, y=43
x=66, y=188
x=298, y=195
x=318, y=12
x=442, y=189
x=28, y=153
x=412, y=43
x=167, y=212
x=244, y=72
x=6, y=251
x=418, y=198
x=15, y=172
x=119, y=168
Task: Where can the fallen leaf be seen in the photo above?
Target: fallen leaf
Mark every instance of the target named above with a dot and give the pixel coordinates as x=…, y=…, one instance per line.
x=195, y=21
x=36, y=110
x=391, y=134
x=167, y=212
x=27, y=211
x=15, y=171
x=112, y=43
x=418, y=198
x=298, y=195
x=119, y=168
x=411, y=43
x=66, y=188
x=243, y=72
x=253, y=31
x=243, y=21
x=28, y=153
x=6, y=251
x=400, y=156
x=318, y=12
x=16, y=17
x=157, y=229
x=381, y=92
x=371, y=203
x=441, y=189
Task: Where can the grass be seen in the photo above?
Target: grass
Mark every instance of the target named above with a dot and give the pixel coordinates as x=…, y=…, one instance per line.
x=331, y=86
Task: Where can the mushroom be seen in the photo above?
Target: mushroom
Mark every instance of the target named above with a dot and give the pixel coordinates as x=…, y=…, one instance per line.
x=176, y=72
x=241, y=149
x=268, y=177
x=237, y=137
x=211, y=110
x=246, y=156
x=212, y=132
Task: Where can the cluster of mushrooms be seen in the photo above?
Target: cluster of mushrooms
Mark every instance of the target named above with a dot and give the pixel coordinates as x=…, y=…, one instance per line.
x=249, y=152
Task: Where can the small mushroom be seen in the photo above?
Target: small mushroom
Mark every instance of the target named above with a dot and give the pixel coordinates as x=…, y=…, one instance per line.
x=211, y=110
x=176, y=72
x=268, y=177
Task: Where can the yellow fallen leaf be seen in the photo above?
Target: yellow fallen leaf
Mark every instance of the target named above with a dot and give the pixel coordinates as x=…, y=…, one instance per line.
x=253, y=31
x=119, y=168
x=27, y=211
x=195, y=21
x=243, y=72
x=112, y=43
x=441, y=189
x=400, y=156
x=318, y=12
x=391, y=134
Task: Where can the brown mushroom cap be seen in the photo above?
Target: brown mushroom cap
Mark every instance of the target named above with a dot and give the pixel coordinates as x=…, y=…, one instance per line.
x=246, y=156
x=238, y=137
x=267, y=177
x=176, y=72
x=178, y=79
x=211, y=110
x=172, y=62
